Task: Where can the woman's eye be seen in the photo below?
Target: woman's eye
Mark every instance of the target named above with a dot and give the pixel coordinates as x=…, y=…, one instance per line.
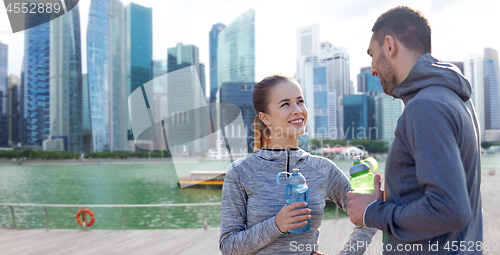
x=284, y=104
x=301, y=101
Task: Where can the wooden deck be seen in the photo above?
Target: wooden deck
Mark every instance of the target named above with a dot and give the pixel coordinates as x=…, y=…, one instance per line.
x=40, y=241
x=185, y=241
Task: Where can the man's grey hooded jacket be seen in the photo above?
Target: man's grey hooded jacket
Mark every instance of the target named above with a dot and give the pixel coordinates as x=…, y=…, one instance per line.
x=433, y=170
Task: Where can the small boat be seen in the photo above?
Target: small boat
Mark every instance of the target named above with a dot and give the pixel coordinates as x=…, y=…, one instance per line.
x=200, y=179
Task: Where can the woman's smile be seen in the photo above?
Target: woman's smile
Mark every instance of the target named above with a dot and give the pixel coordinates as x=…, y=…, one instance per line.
x=297, y=122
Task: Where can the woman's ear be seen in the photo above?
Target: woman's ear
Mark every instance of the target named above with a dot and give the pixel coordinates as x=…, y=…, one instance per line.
x=265, y=119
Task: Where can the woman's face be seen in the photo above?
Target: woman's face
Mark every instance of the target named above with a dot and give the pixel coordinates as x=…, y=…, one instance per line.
x=287, y=116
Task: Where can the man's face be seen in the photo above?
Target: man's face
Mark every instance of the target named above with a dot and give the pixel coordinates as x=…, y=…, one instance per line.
x=381, y=67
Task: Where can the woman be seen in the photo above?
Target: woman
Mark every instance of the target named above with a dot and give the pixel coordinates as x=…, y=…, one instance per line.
x=254, y=216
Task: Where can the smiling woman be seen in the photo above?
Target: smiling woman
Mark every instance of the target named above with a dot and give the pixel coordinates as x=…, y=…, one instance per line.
x=280, y=112
x=255, y=218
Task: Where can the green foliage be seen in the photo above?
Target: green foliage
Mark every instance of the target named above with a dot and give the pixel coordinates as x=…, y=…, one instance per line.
x=51, y=155
x=372, y=146
x=38, y=154
x=320, y=143
x=487, y=145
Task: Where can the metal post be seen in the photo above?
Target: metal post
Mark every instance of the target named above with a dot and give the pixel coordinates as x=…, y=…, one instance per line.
x=84, y=223
x=123, y=218
x=46, y=218
x=13, y=217
x=164, y=220
x=205, y=224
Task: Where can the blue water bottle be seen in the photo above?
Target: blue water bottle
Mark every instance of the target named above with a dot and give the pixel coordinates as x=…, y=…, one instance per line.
x=296, y=190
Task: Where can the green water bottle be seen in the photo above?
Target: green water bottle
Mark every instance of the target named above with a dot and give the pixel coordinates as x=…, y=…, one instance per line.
x=362, y=175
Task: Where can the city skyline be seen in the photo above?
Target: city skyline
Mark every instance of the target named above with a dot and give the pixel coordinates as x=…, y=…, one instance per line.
x=451, y=22
x=113, y=51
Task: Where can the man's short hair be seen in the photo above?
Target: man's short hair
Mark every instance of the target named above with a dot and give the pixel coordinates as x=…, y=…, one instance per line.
x=407, y=25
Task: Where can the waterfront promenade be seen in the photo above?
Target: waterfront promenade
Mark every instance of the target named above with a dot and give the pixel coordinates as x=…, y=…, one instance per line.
x=333, y=234
x=198, y=241
x=180, y=241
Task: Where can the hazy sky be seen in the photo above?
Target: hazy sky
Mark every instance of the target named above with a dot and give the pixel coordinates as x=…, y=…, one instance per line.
x=459, y=27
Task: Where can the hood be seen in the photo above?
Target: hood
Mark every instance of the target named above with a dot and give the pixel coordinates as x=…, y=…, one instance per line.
x=429, y=71
x=279, y=156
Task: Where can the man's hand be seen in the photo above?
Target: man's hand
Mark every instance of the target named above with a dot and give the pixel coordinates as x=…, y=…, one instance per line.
x=359, y=202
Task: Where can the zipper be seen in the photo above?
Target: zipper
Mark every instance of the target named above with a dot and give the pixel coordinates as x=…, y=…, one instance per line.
x=287, y=160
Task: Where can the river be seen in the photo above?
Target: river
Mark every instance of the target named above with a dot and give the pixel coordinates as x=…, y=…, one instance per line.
x=122, y=184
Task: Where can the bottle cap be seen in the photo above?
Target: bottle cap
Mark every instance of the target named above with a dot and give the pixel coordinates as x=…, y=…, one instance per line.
x=358, y=166
x=296, y=178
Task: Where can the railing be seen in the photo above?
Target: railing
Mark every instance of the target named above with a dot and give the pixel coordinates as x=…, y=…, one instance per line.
x=205, y=224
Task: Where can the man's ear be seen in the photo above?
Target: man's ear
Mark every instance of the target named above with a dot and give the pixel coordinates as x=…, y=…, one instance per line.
x=390, y=46
x=264, y=118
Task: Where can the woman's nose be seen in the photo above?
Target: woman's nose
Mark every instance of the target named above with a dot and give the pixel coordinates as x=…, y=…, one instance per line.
x=297, y=109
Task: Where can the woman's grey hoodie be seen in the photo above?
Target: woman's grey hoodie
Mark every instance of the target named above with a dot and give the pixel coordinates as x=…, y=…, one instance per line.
x=251, y=198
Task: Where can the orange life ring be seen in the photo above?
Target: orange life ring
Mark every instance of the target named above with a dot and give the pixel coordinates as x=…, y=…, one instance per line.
x=89, y=212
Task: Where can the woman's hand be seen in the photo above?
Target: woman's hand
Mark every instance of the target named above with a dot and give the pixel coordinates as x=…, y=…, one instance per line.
x=287, y=216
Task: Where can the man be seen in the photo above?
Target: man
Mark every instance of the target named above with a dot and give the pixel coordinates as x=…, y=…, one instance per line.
x=431, y=202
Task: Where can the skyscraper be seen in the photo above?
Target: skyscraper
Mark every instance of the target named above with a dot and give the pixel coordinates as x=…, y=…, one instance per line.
x=86, y=126
x=387, y=113
x=185, y=92
x=307, y=45
x=159, y=69
x=338, y=67
x=239, y=94
x=14, y=112
x=359, y=116
x=4, y=61
x=66, y=80
x=119, y=90
x=213, y=40
x=338, y=73
x=320, y=99
x=236, y=50
x=203, y=79
x=139, y=47
x=355, y=116
x=182, y=56
x=491, y=94
x=107, y=75
x=473, y=71
x=369, y=84
x=35, y=82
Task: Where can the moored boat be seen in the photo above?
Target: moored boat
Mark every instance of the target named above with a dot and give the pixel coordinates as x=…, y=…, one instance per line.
x=201, y=179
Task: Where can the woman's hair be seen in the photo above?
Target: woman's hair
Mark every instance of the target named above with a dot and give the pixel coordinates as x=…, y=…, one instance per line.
x=261, y=98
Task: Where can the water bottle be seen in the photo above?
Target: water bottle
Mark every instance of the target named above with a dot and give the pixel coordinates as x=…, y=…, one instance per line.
x=362, y=176
x=296, y=190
